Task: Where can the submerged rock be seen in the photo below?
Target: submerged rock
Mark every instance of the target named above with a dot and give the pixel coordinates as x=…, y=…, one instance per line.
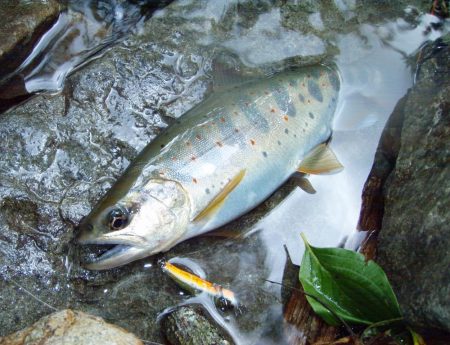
x=410, y=175
x=189, y=325
x=71, y=327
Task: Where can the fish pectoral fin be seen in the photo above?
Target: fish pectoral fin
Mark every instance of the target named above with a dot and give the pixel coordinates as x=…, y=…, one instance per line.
x=321, y=160
x=219, y=199
x=302, y=182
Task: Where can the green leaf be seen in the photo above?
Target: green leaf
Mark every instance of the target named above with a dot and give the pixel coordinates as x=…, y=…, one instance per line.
x=416, y=337
x=353, y=289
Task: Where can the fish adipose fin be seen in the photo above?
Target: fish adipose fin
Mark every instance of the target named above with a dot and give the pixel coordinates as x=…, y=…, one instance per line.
x=219, y=199
x=321, y=160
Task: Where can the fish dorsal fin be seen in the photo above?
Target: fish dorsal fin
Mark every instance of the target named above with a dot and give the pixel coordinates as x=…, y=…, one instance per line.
x=218, y=200
x=321, y=160
x=228, y=72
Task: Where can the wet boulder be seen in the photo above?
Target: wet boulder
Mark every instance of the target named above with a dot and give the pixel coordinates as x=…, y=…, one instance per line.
x=190, y=325
x=409, y=181
x=71, y=327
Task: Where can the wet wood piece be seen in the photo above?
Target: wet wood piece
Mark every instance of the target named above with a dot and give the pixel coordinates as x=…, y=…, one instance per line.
x=302, y=326
x=372, y=208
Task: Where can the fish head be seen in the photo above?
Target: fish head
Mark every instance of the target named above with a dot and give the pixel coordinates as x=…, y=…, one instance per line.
x=142, y=223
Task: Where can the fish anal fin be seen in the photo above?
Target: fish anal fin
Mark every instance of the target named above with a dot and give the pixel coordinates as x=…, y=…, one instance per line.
x=219, y=199
x=321, y=160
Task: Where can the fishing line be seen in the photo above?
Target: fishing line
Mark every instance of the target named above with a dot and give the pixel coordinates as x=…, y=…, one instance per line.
x=31, y=294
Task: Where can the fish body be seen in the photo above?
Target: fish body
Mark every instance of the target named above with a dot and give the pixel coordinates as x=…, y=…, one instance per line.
x=218, y=161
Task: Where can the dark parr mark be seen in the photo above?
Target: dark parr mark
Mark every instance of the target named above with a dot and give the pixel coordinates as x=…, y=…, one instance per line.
x=281, y=96
x=301, y=98
x=334, y=80
x=286, y=131
x=207, y=191
x=254, y=116
x=311, y=115
x=264, y=153
x=314, y=90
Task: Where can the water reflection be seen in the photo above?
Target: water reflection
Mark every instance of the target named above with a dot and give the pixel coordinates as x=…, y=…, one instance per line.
x=79, y=34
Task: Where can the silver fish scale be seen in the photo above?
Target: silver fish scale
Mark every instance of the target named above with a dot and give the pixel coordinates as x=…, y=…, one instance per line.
x=265, y=128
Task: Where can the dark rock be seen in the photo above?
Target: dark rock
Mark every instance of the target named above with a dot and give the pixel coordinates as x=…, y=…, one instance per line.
x=189, y=325
x=412, y=170
x=23, y=22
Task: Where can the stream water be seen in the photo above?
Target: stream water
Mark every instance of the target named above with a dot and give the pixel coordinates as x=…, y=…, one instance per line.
x=373, y=47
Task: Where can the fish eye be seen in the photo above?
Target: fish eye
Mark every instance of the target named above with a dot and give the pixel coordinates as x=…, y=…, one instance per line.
x=118, y=218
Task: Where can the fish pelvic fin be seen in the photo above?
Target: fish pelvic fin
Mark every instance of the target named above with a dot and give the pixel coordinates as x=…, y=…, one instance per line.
x=302, y=182
x=321, y=160
x=219, y=199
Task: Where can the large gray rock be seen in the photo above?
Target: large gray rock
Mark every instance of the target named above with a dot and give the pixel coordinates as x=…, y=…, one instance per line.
x=71, y=328
x=414, y=242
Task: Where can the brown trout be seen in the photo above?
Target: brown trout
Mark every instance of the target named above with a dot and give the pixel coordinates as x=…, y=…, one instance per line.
x=219, y=160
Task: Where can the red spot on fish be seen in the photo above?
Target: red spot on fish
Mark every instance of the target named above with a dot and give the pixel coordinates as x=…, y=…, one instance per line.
x=222, y=119
x=252, y=142
x=194, y=180
x=174, y=158
x=286, y=118
x=193, y=158
x=161, y=173
x=188, y=143
x=236, y=130
x=198, y=136
x=219, y=143
x=272, y=110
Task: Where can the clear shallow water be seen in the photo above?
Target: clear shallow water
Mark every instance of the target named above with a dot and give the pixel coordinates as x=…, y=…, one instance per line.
x=374, y=66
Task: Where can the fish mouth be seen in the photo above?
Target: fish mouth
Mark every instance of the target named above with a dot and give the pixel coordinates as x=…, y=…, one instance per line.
x=127, y=247
x=117, y=256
